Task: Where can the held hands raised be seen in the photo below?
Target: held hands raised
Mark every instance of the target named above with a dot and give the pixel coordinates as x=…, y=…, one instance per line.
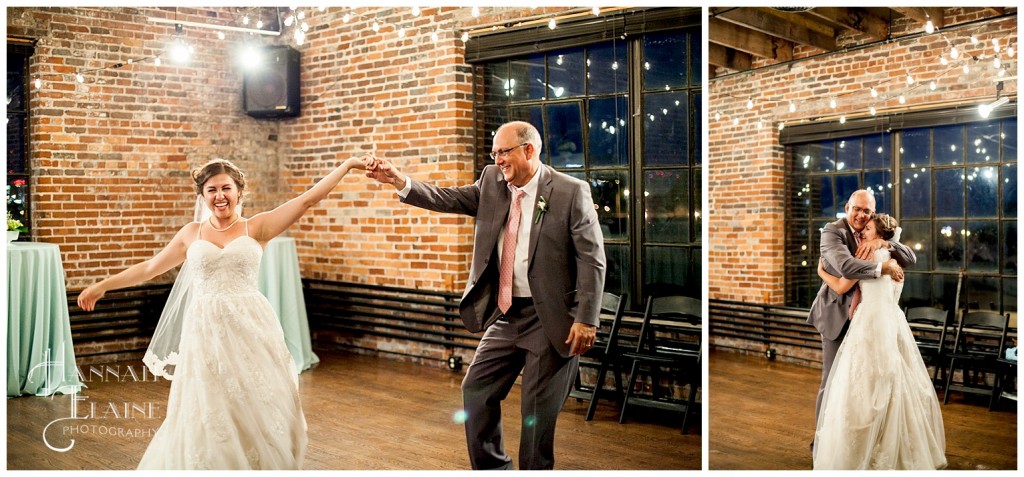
x=383, y=171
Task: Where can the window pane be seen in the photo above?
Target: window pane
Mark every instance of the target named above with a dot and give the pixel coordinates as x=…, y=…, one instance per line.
x=982, y=184
x=695, y=57
x=983, y=142
x=565, y=73
x=666, y=206
x=17, y=203
x=917, y=146
x=610, y=190
x=880, y=184
x=564, y=139
x=497, y=87
x=876, y=151
x=949, y=145
x=664, y=63
x=949, y=198
x=1010, y=190
x=822, y=156
x=697, y=223
x=606, y=71
x=916, y=289
x=15, y=83
x=944, y=290
x=949, y=247
x=665, y=133
x=846, y=185
x=16, y=143
x=917, y=235
x=825, y=198
x=609, y=132
x=1010, y=296
x=697, y=130
x=666, y=266
x=617, y=274
x=848, y=156
x=983, y=293
x=983, y=246
x=1010, y=247
x=916, y=195
x=1009, y=140
x=527, y=79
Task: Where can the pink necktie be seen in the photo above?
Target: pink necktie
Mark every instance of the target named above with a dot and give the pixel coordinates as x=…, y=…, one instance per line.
x=856, y=288
x=508, y=251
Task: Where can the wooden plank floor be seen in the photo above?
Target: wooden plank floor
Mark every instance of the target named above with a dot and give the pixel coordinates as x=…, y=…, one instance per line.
x=363, y=413
x=761, y=417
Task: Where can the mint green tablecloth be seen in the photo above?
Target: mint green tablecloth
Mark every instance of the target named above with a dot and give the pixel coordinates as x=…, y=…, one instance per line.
x=40, y=356
x=281, y=283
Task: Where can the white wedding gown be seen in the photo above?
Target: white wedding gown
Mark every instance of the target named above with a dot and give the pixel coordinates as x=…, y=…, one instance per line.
x=234, y=401
x=880, y=410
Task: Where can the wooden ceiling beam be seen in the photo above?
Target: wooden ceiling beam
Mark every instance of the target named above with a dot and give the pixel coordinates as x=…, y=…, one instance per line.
x=719, y=55
x=854, y=19
x=748, y=41
x=773, y=25
x=923, y=14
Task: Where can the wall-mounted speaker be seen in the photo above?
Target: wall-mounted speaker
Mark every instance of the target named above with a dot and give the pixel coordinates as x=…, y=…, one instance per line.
x=272, y=89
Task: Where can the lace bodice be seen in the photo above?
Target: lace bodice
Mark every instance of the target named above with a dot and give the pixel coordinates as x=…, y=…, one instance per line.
x=882, y=288
x=231, y=270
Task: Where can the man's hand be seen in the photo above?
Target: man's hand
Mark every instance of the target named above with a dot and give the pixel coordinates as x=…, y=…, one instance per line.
x=385, y=172
x=866, y=249
x=581, y=338
x=893, y=269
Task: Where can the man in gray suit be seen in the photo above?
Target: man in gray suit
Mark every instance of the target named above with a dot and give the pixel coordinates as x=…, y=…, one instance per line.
x=535, y=288
x=844, y=254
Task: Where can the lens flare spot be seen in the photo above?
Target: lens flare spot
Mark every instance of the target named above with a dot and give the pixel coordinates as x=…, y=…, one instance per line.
x=459, y=417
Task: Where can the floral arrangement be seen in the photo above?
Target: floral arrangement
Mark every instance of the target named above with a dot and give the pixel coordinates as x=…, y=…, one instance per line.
x=14, y=225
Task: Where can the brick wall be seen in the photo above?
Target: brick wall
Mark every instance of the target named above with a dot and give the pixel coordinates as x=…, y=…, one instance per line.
x=746, y=168
x=111, y=156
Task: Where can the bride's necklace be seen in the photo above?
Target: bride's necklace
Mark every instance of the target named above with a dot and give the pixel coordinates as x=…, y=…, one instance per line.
x=214, y=227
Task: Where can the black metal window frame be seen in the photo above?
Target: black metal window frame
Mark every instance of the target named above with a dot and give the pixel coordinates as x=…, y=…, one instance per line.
x=635, y=242
x=19, y=52
x=941, y=283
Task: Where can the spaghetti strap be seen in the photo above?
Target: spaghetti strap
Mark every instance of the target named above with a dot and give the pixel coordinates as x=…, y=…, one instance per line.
x=246, y=227
x=199, y=232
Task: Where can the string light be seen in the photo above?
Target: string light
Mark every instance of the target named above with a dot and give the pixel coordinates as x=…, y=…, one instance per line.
x=903, y=99
x=597, y=11
x=873, y=111
x=416, y=11
x=792, y=107
x=932, y=85
x=929, y=27
x=750, y=103
x=465, y=36
x=552, y=23
x=832, y=102
x=475, y=12
x=874, y=93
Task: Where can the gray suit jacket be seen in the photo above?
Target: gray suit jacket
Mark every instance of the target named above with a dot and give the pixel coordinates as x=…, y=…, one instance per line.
x=830, y=310
x=567, y=261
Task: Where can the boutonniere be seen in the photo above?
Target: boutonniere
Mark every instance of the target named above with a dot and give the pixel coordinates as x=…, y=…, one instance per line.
x=542, y=207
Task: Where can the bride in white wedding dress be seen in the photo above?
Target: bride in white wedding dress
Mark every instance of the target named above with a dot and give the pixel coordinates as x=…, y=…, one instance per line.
x=234, y=401
x=879, y=410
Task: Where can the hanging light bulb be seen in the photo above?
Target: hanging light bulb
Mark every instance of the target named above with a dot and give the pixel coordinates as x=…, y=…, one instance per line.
x=552, y=24
x=735, y=121
x=874, y=93
x=932, y=85
x=759, y=124
x=245, y=20
x=80, y=78
x=943, y=60
x=347, y=18
x=476, y=11
x=302, y=15
x=782, y=126
x=401, y=32
x=967, y=68
x=288, y=20
x=321, y=8
x=376, y=26
x=434, y=36
x=259, y=25
x=974, y=39
x=304, y=27
x=873, y=111
x=832, y=103
x=910, y=79
x=416, y=11
x=996, y=63
x=220, y=35
x=995, y=45
x=792, y=107
x=157, y=61
x=903, y=99
x=954, y=53
x=596, y=10
x=1009, y=51
x=842, y=119
x=750, y=103
x=465, y=36
x=718, y=115
x=39, y=83
x=929, y=27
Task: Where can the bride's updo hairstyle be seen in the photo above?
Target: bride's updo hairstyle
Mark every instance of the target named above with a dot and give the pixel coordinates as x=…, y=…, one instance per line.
x=214, y=167
x=885, y=225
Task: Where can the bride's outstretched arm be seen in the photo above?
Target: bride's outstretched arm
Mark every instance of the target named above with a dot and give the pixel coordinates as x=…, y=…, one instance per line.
x=171, y=256
x=839, y=285
x=267, y=225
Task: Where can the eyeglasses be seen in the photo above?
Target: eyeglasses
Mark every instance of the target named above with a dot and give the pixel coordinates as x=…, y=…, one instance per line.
x=504, y=152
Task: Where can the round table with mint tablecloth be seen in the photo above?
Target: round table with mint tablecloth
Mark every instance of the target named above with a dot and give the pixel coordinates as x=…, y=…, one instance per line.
x=281, y=283
x=40, y=354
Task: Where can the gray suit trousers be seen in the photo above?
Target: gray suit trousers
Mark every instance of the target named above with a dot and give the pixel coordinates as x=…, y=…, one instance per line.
x=515, y=343
x=829, y=348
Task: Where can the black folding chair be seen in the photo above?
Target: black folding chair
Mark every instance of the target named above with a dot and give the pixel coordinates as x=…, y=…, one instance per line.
x=1005, y=384
x=979, y=340
x=930, y=327
x=669, y=341
x=598, y=355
